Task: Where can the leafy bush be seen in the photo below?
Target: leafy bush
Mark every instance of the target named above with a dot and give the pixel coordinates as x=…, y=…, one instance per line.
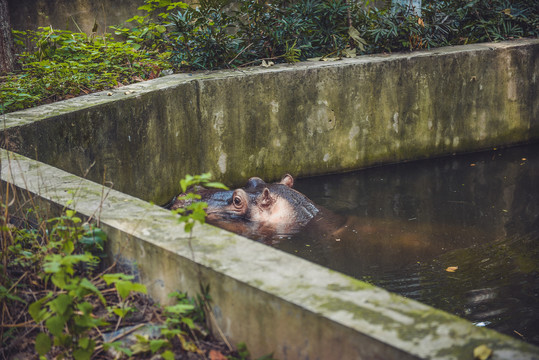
x=446, y=23
x=64, y=64
x=209, y=37
x=214, y=35
x=217, y=34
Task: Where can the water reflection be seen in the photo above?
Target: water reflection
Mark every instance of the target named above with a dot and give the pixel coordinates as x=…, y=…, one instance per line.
x=407, y=223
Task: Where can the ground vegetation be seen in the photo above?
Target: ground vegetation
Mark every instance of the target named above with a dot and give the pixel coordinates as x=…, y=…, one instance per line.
x=59, y=299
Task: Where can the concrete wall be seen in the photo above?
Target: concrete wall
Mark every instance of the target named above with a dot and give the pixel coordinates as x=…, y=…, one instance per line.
x=74, y=15
x=304, y=119
x=273, y=301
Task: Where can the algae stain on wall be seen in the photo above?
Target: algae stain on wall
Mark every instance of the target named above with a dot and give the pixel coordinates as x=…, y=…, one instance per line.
x=222, y=163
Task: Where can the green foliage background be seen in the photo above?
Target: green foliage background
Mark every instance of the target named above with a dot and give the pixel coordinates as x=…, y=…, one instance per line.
x=220, y=34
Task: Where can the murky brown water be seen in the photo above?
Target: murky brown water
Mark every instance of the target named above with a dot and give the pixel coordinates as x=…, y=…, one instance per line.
x=409, y=222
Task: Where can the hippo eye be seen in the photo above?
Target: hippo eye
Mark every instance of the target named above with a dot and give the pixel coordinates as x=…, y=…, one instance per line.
x=237, y=201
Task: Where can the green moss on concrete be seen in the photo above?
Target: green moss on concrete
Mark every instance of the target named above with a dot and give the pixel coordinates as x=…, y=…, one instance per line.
x=373, y=317
x=352, y=285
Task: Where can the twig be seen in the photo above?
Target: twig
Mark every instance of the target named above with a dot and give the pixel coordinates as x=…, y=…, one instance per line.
x=252, y=62
x=220, y=331
x=24, y=324
x=18, y=281
x=104, y=271
x=241, y=52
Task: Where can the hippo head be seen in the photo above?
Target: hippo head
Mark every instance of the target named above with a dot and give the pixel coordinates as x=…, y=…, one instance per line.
x=259, y=210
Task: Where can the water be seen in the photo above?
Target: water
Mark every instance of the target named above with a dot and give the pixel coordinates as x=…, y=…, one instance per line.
x=408, y=223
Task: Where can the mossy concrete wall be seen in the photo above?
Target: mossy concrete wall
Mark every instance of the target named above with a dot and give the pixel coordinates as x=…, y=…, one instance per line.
x=304, y=119
x=80, y=15
x=273, y=301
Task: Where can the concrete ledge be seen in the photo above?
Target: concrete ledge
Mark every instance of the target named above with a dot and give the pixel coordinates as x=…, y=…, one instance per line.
x=305, y=119
x=273, y=301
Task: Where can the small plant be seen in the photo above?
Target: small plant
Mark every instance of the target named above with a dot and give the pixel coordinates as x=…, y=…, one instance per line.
x=65, y=311
x=124, y=286
x=146, y=33
x=195, y=210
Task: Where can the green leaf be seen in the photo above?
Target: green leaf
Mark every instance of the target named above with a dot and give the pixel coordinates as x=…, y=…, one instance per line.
x=51, y=264
x=5, y=293
x=125, y=287
x=167, y=355
x=94, y=237
x=84, y=342
x=60, y=304
x=56, y=324
x=112, y=278
x=180, y=309
x=216, y=185
x=189, y=322
x=36, y=310
x=87, y=284
x=122, y=312
x=83, y=354
x=157, y=344
x=43, y=344
x=85, y=307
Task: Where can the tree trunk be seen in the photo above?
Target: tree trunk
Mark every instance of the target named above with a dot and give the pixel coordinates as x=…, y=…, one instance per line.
x=7, y=53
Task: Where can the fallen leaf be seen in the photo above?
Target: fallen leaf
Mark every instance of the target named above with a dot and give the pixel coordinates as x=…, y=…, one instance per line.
x=482, y=352
x=349, y=53
x=452, y=268
x=267, y=64
x=217, y=355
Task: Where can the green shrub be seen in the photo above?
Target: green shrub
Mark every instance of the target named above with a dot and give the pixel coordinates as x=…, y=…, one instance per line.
x=64, y=64
x=446, y=23
x=216, y=34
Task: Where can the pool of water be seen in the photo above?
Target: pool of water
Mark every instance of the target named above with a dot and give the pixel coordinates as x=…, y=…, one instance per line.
x=458, y=233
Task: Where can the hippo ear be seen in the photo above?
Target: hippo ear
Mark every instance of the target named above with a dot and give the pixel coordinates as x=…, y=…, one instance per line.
x=266, y=199
x=287, y=180
x=254, y=182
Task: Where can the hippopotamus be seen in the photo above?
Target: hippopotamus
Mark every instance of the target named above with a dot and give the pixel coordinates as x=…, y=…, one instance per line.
x=278, y=215
x=260, y=210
